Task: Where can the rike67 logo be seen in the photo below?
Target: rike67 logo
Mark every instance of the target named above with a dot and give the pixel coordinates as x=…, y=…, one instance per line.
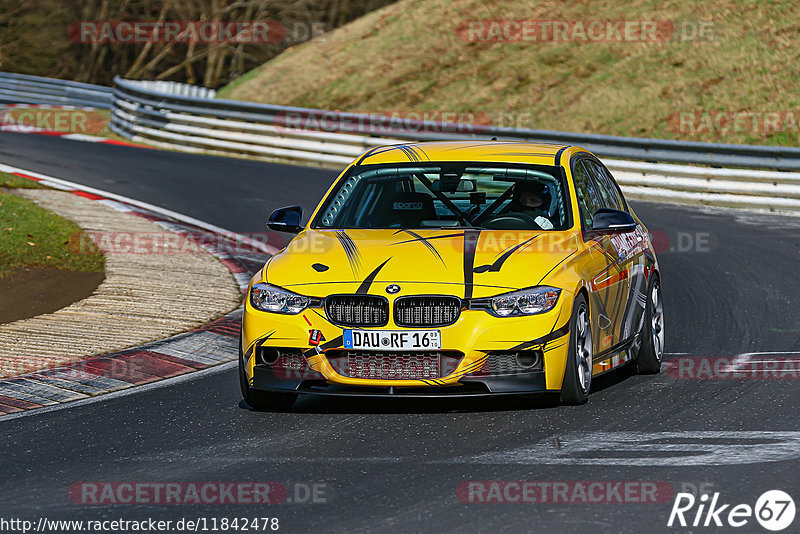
x=774, y=510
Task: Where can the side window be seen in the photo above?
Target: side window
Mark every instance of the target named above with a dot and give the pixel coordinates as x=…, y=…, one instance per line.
x=614, y=187
x=589, y=199
x=606, y=185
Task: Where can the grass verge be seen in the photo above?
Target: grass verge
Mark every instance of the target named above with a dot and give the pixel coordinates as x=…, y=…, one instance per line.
x=11, y=181
x=31, y=236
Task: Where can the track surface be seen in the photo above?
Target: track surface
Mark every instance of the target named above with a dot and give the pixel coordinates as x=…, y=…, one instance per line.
x=395, y=465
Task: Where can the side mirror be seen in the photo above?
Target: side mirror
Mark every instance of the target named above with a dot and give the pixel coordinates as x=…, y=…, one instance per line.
x=286, y=219
x=607, y=220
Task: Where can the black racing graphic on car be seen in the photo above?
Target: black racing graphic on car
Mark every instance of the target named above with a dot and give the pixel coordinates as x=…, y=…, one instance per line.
x=431, y=238
x=350, y=249
x=627, y=296
x=498, y=263
x=411, y=151
x=424, y=240
x=365, y=285
x=611, y=351
x=548, y=348
x=523, y=154
x=422, y=150
x=257, y=344
x=496, y=144
x=555, y=334
x=368, y=154
x=471, y=368
x=556, y=266
x=375, y=151
x=600, y=299
x=471, y=238
x=318, y=313
x=334, y=343
x=623, y=295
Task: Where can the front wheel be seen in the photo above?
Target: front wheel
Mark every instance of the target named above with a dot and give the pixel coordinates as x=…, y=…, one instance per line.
x=651, y=351
x=262, y=400
x=578, y=375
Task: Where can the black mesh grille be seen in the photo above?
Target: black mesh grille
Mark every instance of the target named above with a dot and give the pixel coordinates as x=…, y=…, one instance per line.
x=394, y=365
x=426, y=310
x=357, y=310
x=512, y=362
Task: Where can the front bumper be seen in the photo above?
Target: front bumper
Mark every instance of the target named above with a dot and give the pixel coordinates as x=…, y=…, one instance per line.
x=266, y=379
x=477, y=336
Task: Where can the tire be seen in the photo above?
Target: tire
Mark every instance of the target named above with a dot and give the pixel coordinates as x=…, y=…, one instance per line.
x=578, y=374
x=651, y=351
x=262, y=400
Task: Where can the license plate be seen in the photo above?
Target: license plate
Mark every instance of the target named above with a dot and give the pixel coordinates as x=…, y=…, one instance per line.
x=392, y=339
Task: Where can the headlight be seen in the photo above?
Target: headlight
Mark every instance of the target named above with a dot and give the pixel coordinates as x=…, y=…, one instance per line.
x=273, y=299
x=524, y=302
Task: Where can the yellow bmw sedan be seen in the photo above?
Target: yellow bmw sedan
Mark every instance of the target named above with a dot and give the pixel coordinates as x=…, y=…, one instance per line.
x=455, y=269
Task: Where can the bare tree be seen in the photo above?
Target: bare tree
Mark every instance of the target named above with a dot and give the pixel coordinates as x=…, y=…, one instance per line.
x=58, y=49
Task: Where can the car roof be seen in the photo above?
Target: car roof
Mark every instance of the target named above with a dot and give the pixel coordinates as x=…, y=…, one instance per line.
x=472, y=150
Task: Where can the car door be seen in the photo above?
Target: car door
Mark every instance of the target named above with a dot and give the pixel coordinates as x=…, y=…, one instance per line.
x=606, y=278
x=630, y=249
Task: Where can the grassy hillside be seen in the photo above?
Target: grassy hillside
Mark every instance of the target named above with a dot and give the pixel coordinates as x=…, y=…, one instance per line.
x=411, y=56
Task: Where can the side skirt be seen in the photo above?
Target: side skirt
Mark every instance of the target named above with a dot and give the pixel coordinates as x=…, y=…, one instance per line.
x=624, y=350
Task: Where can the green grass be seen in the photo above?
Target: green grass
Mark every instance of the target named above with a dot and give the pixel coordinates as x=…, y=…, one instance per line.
x=16, y=182
x=408, y=57
x=226, y=91
x=31, y=236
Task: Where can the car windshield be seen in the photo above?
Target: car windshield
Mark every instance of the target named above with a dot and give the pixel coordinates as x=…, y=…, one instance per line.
x=492, y=196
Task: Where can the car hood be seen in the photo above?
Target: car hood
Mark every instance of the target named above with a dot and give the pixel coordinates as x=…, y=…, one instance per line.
x=457, y=261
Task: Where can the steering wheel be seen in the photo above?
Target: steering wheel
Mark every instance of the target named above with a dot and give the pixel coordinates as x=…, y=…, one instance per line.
x=513, y=221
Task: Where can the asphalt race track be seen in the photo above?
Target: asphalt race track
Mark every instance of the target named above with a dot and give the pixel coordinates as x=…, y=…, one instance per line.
x=730, y=287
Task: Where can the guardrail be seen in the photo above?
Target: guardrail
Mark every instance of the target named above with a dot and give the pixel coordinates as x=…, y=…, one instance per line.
x=24, y=89
x=189, y=118
x=269, y=132
x=176, y=88
x=202, y=118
